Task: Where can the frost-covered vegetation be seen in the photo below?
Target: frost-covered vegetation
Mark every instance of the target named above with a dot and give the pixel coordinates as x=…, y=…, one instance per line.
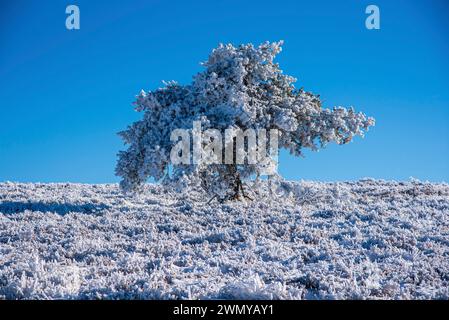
x=355, y=240
x=242, y=89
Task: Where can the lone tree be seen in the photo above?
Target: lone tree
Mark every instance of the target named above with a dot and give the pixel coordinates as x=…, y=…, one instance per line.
x=241, y=88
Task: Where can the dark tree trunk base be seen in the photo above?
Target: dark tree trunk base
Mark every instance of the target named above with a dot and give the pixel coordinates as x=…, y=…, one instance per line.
x=238, y=193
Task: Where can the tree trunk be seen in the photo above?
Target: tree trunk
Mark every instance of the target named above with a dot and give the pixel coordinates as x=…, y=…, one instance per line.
x=237, y=186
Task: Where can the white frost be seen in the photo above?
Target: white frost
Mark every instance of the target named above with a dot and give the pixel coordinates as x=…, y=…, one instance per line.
x=355, y=240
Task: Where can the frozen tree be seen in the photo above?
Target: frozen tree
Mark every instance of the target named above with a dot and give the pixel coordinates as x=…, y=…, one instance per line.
x=241, y=88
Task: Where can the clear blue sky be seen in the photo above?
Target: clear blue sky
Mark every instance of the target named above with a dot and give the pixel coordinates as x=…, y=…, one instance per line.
x=64, y=94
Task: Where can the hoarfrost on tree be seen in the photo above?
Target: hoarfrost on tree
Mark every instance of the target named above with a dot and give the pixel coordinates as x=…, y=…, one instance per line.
x=242, y=88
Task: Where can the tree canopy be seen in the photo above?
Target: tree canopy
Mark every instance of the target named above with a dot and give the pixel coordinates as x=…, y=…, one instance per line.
x=240, y=88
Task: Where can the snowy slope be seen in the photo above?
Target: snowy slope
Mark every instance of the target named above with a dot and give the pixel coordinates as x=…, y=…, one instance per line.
x=368, y=239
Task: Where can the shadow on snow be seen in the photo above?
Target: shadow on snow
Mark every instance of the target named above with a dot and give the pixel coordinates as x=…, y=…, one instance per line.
x=12, y=207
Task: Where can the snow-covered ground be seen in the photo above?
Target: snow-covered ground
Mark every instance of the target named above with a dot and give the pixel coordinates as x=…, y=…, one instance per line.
x=368, y=239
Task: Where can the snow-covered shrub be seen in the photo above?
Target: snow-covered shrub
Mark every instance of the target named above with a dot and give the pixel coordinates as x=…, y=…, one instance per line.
x=241, y=88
